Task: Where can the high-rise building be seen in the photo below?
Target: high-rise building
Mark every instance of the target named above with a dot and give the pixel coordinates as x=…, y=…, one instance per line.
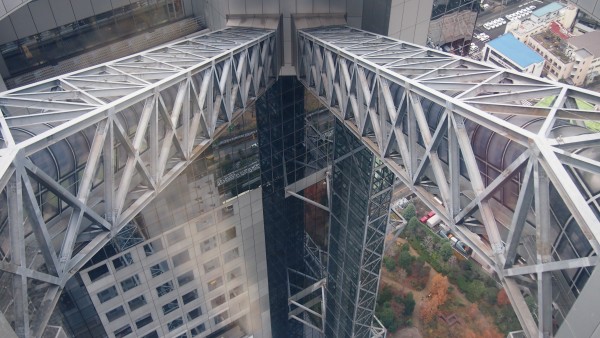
x=187, y=168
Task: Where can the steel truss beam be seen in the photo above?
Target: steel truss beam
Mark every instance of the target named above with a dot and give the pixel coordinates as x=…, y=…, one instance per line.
x=384, y=89
x=146, y=118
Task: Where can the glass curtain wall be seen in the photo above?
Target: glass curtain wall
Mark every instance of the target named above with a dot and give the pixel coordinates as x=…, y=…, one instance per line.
x=361, y=194
x=452, y=25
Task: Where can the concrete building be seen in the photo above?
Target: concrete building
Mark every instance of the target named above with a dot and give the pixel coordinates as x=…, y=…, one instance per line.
x=236, y=181
x=508, y=52
x=547, y=13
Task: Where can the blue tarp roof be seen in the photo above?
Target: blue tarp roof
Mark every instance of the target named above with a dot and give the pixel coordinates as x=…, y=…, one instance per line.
x=515, y=50
x=555, y=6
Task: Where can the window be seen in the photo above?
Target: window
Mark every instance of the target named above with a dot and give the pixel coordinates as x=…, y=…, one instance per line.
x=215, y=283
x=170, y=307
x=220, y=317
x=236, y=291
x=136, y=303
x=115, y=313
x=211, y=265
x=159, y=269
x=185, y=278
x=152, y=334
x=107, y=294
x=143, y=321
x=208, y=244
x=181, y=258
x=235, y=273
x=176, y=236
x=190, y=296
x=218, y=301
x=175, y=324
x=228, y=235
x=153, y=247
x=195, y=313
x=231, y=255
x=165, y=288
x=130, y=283
x=198, y=330
x=98, y=272
x=122, y=332
x=123, y=261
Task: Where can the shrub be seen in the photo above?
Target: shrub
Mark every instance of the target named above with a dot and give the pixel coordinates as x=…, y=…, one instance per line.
x=409, y=304
x=405, y=261
x=446, y=251
x=409, y=212
x=390, y=263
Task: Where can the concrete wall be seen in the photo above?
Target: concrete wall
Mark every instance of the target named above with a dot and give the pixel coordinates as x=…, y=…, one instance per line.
x=409, y=20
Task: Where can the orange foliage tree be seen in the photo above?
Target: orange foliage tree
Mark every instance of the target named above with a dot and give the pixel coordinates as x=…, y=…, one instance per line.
x=502, y=298
x=437, y=297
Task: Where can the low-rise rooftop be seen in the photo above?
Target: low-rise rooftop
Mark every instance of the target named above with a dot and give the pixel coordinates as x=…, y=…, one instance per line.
x=588, y=41
x=515, y=50
x=553, y=7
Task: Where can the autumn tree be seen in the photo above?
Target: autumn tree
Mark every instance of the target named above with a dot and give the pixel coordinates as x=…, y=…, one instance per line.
x=502, y=298
x=437, y=297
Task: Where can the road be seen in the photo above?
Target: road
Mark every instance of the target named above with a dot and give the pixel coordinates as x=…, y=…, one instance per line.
x=498, y=12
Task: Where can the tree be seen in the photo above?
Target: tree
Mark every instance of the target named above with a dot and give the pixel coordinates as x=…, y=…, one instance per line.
x=386, y=316
x=409, y=304
x=438, y=296
x=409, y=212
x=446, y=251
x=390, y=263
x=502, y=298
x=475, y=290
x=405, y=261
x=385, y=295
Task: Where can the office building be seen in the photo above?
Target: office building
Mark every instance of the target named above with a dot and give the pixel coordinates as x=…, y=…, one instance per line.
x=236, y=181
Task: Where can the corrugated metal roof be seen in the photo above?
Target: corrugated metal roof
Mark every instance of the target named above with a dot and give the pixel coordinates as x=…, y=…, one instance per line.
x=515, y=50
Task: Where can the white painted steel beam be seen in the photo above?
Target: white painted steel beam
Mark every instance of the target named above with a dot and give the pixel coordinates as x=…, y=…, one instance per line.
x=387, y=92
x=159, y=110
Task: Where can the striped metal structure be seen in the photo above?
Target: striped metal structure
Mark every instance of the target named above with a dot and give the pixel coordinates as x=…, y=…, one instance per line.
x=82, y=154
x=493, y=145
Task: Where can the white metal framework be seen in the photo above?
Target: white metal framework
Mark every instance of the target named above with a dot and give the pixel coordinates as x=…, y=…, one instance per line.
x=424, y=113
x=130, y=126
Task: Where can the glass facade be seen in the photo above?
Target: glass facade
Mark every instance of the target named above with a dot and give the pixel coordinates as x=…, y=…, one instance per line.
x=361, y=194
x=281, y=122
x=60, y=43
x=452, y=25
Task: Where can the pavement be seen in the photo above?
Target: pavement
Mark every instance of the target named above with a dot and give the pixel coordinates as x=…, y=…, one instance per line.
x=499, y=11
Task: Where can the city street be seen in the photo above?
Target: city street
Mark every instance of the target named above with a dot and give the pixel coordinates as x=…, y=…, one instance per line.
x=500, y=11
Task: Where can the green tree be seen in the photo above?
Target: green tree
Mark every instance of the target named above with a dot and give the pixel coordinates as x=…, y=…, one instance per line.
x=409, y=212
x=475, y=290
x=405, y=261
x=409, y=304
x=446, y=251
x=405, y=247
x=390, y=263
x=385, y=295
x=386, y=316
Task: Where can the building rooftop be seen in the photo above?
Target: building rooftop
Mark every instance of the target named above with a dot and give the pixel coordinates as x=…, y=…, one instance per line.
x=590, y=41
x=515, y=50
x=553, y=7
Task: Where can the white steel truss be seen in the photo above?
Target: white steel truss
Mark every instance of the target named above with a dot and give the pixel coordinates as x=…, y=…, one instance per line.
x=385, y=91
x=132, y=125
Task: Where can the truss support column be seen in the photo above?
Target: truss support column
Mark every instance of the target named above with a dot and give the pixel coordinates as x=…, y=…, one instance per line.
x=361, y=195
x=17, y=244
x=544, y=249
